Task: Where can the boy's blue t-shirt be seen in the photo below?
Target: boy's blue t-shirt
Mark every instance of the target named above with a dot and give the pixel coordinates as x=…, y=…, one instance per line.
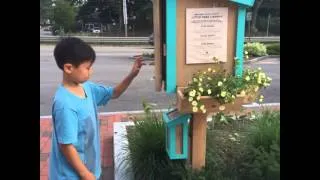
x=75, y=121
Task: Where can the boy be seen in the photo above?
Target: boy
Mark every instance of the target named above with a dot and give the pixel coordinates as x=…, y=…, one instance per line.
x=75, y=148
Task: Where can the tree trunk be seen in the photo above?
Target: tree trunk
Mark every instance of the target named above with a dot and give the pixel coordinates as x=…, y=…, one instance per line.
x=255, y=11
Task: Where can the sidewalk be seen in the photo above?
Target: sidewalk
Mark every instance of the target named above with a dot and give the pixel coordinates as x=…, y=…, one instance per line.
x=106, y=144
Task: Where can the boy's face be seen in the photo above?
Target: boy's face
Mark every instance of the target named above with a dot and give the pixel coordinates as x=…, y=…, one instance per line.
x=79, y=74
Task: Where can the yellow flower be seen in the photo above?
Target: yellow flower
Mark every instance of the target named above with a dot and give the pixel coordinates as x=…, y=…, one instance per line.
x=198, y=98
x=243, y=93
x=190, y=99
x=209, y=91
x=194, y=109
x=259, y=80
x=221, y=108
x=247, y=78
x=201, y=89
x=209, y=69
x=262, y=75
x=202, y=107
x=219, y=83
x=223, y=93
x=194, y=103
x=195, y=79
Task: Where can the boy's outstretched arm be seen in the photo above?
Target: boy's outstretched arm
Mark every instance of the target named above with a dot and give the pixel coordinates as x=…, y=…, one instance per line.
x=120, y=88
x=71, y=154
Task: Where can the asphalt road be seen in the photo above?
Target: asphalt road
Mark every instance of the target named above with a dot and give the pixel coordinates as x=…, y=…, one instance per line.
x=114, y=63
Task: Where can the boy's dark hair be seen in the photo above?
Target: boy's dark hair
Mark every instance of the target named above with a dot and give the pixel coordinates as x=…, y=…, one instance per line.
x=74, y=51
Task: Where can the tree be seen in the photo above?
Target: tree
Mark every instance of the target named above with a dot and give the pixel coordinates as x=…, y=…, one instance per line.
x=256, y=7
x=45, y=10
x=64, y=16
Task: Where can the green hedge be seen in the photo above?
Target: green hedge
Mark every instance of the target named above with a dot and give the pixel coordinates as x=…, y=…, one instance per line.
x=273, y=49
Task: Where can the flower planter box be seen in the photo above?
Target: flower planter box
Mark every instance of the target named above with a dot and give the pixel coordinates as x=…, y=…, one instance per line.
x=212, y=105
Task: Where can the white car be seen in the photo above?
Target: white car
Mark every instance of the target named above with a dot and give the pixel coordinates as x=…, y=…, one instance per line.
x=96, y=30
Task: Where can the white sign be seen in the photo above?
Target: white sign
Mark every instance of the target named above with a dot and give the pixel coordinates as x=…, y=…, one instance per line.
x=206, y=34
x=125, y=17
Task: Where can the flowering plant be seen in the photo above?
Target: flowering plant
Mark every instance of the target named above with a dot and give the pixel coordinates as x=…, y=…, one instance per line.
x=224, y=87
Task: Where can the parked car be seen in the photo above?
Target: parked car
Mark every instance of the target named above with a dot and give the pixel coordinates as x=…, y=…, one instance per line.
x=96, y=30
x=151, y=39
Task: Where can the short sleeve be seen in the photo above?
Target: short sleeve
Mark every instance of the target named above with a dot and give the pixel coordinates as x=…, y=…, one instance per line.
x=101, y=93
x=66, y=126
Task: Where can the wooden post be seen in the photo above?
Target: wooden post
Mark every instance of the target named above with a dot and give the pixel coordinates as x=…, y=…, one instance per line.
x=198, y=140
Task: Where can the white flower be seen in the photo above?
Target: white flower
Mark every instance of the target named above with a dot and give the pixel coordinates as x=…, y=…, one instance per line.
x=224, y=80
x=209, y=78
x=202, y=107
x=256, y=89
x=209, y=69
x=260, y=100
x=209, y=91
x=194, y=109
x=247, y=57
x=203, y=110
x=195, y=79
x=261, y=96
x=213, y=70
x=201, y=89
x=198, y=98
x=221, y=108
x=245, y=52
x=190, y=99
x=200, y=79
x=233, y=97
x=219, y=83
x=247, y=78
x=269, y=79
x=194, y=103
x=204, y=72
x=259, y=68
x=192, y=93
x=223, y=93
x=199, y=84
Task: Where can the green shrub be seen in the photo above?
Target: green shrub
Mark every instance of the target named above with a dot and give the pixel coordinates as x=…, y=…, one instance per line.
x=147, y=153
x=273, y=49
x=266, y=130
x=255, y=49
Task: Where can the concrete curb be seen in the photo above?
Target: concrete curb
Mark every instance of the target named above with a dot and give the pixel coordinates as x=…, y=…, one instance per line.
x=261, y=58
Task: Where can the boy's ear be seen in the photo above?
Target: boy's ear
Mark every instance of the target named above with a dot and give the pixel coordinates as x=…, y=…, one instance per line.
x=67, y=68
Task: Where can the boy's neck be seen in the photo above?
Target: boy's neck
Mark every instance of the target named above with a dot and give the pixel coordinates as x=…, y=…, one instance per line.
x=69, y=83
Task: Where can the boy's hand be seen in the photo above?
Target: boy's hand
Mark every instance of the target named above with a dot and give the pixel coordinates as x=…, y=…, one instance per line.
x=88, y=176
x=136, y=66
